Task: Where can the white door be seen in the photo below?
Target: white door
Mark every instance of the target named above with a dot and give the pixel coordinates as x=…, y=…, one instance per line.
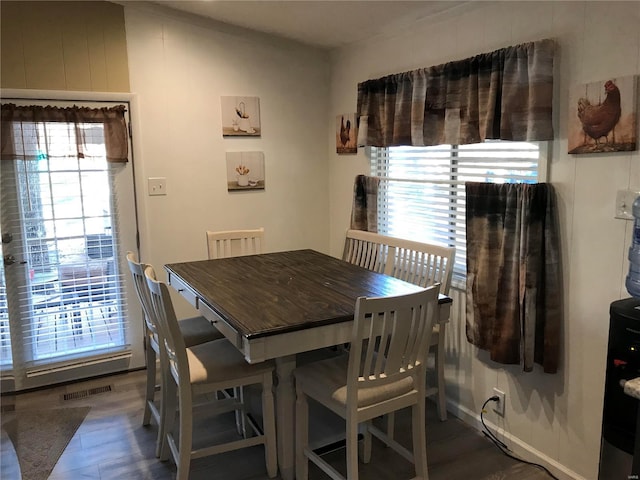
x=67, y=307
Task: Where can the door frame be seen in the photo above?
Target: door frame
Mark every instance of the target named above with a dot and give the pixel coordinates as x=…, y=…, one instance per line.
x=136, y=358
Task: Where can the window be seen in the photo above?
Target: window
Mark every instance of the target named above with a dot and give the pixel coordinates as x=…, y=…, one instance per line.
x=422, y=193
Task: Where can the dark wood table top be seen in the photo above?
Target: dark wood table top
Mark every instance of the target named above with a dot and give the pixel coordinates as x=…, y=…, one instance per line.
x=269, y=294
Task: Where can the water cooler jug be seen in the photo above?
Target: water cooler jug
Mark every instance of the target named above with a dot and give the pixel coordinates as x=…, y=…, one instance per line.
x=620, y=410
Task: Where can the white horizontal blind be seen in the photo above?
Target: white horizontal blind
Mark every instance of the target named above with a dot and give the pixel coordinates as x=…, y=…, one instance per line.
x=71, y=303
x=422, y=189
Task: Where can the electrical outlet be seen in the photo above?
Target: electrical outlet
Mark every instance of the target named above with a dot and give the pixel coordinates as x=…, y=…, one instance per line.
x=498, y=406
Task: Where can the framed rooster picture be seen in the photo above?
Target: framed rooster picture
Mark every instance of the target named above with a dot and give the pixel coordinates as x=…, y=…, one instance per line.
x=346, y=133
x=603, y=116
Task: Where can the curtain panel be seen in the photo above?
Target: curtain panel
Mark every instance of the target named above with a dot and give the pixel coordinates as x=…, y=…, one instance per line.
x=16, y=118
x=364, y=210
x=514, y=288
x=506, y=94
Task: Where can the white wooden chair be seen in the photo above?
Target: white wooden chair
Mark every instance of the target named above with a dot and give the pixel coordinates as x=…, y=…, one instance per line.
x=235, y=243
x=384, y=371
x=423, y=264
x=200, y=370
x=194, y=330
x=366, y=249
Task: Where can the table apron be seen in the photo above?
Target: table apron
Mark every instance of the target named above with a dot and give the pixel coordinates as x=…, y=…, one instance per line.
x=268, y=347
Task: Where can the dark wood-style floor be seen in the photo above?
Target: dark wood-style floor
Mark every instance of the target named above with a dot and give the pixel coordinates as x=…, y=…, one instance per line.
x=112, y=444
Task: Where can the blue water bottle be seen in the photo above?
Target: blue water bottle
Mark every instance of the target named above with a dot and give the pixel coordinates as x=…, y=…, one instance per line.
x=633, y=278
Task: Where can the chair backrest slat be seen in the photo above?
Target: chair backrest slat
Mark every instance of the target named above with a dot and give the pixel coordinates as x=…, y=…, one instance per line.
x=235, y=243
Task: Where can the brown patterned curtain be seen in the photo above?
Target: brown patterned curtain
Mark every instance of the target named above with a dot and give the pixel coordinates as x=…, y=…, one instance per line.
x=514, y=290
x=364, y=212
x=17, y=122
x=505, y=94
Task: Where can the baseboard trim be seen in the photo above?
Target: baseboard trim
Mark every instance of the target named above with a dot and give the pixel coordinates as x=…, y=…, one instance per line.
x=519, y=447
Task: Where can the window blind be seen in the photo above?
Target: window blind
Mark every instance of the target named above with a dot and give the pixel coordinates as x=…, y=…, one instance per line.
x=64, y=215
x=422, y=189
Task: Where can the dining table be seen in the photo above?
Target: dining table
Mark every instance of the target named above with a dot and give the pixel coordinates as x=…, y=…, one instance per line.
x=274, y=306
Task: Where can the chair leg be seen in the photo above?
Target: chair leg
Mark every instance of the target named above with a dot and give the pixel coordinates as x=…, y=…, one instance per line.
x=162, y=411
x=439, y=364
x=241, y=424
x=418, y=428
x=186, y=433
x=269, y=426
x=167, y=415
x=352, y=448
x=366, y=444
x=391, y=424
x=151, y=381
x=302, y=435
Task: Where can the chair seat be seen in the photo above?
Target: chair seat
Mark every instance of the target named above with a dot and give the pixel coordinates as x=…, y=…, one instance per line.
x=326, y=379
x=197, y=330
x=219, y=361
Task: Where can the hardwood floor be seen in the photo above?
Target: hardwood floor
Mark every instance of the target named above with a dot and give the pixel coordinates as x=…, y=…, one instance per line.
x=112, y=443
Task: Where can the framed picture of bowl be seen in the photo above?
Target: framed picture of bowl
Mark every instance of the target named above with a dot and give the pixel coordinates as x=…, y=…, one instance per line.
x=240, y=116
x=245, y=171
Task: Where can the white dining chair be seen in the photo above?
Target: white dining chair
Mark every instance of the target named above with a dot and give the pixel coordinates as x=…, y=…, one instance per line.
x=426, y=264
x=420, y=263
x=234, y=243
x=200, y=370
x=383, y=371
x=194, y=330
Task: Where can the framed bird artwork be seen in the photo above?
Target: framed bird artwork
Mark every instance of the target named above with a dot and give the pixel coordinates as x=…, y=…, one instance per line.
x=603, y=116
x=346, y=133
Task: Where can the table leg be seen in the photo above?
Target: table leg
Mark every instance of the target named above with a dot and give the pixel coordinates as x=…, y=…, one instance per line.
x=285, y=415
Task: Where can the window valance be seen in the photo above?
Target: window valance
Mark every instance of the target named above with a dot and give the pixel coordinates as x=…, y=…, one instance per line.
x=506, y=94
x=15, y=118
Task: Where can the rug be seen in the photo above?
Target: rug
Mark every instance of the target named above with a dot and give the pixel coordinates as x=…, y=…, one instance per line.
x=40, y=437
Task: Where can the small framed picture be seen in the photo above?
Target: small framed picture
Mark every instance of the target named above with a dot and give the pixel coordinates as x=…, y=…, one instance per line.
x=346, y=133
x=245, y=171
x=240, y=116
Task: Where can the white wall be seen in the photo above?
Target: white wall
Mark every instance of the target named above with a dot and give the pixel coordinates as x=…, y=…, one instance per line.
x=181, y=64
x=558, y=416
x=179, y=67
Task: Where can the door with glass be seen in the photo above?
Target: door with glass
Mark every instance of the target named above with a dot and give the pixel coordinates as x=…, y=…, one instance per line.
x=67, y=217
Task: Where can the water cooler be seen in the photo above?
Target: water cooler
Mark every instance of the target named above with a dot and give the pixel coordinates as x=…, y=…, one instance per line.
x=620, y=410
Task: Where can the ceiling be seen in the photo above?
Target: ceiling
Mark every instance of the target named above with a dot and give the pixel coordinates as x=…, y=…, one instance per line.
x=324, y=24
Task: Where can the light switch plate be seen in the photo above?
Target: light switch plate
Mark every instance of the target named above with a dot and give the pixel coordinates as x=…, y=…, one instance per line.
x=624, y=203
x=157, y=185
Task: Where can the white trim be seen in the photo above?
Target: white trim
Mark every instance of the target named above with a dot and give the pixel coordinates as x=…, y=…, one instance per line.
x=124, y=360
x=126, y=355
x=8, y=93
x=520, y=448
x=544, y=156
